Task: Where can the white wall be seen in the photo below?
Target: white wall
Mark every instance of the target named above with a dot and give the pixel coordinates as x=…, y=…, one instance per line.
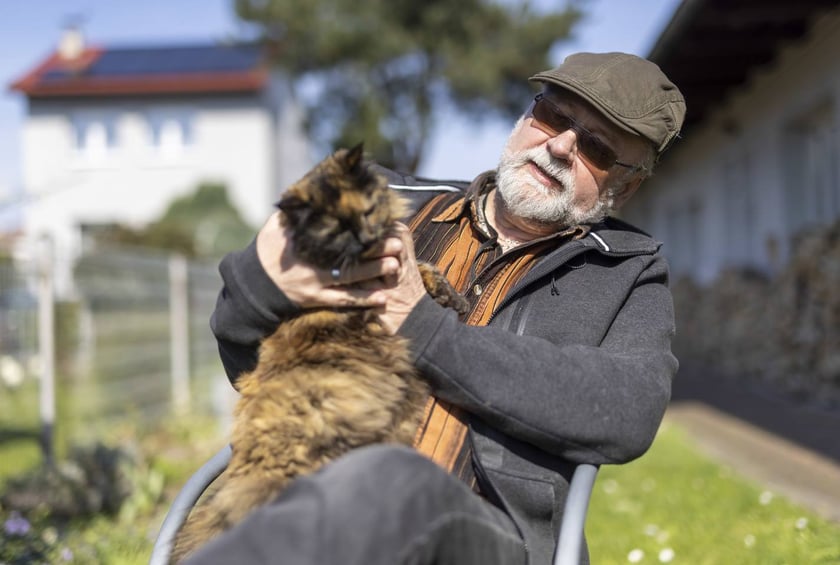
x=234, y=140
x=728, y=193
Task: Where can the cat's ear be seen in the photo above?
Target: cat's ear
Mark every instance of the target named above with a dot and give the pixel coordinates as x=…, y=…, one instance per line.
x=294, y=211
x=289, y=203
x=354, y=156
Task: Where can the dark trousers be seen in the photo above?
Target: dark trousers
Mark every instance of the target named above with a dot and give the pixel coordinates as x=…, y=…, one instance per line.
x=383, y=505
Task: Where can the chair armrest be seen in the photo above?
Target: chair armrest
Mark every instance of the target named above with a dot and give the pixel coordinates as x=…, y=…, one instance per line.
x=574, y=515
x=184, y=502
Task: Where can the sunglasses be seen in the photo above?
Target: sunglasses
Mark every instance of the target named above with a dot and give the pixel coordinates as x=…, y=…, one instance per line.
x=553, y=121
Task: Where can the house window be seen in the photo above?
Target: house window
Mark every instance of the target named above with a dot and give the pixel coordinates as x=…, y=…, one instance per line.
x=171, y=133
x=812, y=190
x=739, y=224
x=683, y=232
x=95, y=138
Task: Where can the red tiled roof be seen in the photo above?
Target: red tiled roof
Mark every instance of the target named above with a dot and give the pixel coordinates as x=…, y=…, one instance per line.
x=97, y=71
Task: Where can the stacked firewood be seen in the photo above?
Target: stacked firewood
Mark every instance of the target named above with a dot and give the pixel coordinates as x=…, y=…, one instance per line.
x=784, y=329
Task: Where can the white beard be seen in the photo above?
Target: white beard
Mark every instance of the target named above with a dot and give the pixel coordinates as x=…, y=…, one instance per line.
x=526, y=197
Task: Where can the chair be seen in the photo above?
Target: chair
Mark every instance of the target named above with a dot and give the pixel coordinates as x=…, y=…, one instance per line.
x=184, y=502
x=568, y=546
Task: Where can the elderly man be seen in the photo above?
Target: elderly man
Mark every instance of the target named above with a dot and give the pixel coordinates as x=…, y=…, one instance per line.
x=563, y=358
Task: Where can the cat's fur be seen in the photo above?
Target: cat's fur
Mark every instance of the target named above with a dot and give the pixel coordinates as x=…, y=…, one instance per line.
x=328, y=380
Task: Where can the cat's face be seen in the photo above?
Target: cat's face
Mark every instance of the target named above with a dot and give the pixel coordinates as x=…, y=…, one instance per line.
x=339, y=210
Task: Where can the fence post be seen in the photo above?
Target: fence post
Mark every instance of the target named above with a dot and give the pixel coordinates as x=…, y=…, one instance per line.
x=46, y=345
x=179, y=333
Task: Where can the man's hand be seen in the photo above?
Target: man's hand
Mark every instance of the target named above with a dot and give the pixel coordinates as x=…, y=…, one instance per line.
x=309, y=287
x=405, y=288
x=389, y=281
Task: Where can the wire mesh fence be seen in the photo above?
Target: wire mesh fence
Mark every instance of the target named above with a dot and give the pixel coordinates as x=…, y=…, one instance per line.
x=129, y=341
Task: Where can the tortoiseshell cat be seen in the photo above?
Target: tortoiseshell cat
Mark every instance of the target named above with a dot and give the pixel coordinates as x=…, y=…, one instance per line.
x=327, y=380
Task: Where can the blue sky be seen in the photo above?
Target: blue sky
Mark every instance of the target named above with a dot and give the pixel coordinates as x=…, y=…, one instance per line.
x=29, y=31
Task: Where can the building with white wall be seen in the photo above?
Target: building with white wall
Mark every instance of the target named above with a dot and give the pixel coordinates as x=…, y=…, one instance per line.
x=759, y=159
x=114, y=134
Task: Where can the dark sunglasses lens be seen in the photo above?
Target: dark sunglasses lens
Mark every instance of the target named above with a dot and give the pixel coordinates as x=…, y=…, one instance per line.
x=548, y=116
x=595, y=150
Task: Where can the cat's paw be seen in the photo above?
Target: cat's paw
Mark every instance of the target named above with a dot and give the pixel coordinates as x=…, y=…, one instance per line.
x=456, y=301
x=440, y=290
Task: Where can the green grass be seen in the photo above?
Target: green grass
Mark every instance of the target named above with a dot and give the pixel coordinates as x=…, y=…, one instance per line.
x=172, y=450
x=674, y=501
x=19, y=448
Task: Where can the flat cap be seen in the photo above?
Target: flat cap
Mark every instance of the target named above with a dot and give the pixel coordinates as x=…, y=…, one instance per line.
x=631, y=92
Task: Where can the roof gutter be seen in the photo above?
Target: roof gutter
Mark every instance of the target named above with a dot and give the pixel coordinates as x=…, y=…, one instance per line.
x=674, y=30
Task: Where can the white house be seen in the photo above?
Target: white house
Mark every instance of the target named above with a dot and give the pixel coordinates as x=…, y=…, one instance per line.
x=758, y=160
x=113, y=134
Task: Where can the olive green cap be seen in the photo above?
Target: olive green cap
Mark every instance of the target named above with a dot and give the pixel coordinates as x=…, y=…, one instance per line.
x=633, y=93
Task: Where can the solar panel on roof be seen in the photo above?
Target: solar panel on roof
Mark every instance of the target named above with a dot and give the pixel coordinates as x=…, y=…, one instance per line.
x=173, y=60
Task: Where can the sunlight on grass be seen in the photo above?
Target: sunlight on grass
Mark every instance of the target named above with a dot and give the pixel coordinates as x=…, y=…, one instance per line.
x=676, y=506
x=673, y=505
x=172, y=451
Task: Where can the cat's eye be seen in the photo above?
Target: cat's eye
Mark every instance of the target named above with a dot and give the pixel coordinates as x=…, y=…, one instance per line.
x=330, y=222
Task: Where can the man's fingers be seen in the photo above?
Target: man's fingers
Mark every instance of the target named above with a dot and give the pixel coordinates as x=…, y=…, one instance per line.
x=352, y=298
x=368, y=270
x=393, y=246
x=383, y=263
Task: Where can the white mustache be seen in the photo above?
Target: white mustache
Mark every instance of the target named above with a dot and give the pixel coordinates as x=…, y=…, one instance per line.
x=555, y=168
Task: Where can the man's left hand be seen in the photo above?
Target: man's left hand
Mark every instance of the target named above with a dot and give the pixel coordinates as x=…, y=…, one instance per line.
x=404, y=289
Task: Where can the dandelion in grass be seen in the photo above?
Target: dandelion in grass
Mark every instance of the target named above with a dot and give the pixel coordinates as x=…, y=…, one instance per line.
x=66, y=554
x=801, y=523
x=663, y=536
x=11, y=372
x=765, y=498
x=610, y=486
x=635, y=555
x=666, y=555
x=50, y=535
x=651, y=530
x=628, y=506
x=16, y=525
x=749, y=540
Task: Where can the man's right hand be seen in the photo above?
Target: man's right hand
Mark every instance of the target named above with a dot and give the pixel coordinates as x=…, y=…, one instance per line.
x=309, y=287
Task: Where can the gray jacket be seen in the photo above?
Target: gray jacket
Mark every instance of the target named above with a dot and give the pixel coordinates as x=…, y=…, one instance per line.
x=575, y=365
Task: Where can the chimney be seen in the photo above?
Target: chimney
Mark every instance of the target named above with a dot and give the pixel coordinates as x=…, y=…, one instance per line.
x=72, y=43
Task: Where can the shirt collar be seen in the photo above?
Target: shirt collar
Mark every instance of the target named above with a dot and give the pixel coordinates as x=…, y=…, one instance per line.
x=466, y=206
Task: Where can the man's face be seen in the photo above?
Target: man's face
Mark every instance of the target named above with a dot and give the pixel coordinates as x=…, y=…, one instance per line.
x=549, y=177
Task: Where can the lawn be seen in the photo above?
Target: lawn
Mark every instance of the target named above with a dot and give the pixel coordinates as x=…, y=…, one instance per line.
x=671, y=506
x=674, y=505
x=168, y=453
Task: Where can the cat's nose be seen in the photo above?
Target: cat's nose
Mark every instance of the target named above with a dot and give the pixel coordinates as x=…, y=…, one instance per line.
x=367, y=238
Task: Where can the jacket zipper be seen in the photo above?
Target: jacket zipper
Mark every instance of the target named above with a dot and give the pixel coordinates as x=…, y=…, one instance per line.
x=535, y=275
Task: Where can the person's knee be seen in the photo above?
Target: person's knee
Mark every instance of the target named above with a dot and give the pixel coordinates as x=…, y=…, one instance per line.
x=384, y=464
x=398, y=458
x=368, y=476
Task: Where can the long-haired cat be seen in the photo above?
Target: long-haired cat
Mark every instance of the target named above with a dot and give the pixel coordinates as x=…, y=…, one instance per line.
x=330, y=379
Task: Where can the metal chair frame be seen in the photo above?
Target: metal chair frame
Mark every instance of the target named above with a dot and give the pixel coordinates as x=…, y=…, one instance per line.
x=568, y=546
